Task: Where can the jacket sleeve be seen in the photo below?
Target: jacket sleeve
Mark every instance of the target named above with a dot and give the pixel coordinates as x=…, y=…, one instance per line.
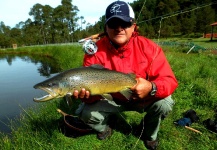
x=90, y=60
x=161, y=74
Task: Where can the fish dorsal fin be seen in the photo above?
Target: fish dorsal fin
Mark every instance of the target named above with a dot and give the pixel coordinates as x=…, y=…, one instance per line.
x=97, y=66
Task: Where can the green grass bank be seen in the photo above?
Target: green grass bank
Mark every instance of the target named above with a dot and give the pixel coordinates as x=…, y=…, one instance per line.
x=37, y=126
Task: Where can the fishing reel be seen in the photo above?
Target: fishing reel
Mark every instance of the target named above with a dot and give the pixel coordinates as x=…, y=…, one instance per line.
x=90, y=47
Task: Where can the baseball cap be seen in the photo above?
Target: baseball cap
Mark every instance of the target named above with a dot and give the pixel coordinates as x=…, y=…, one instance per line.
x=121, y=10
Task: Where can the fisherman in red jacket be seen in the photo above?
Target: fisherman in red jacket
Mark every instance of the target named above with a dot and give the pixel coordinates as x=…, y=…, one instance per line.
x=122, y=49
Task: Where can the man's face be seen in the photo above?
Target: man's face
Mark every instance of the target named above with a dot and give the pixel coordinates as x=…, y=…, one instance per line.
x=119, y=32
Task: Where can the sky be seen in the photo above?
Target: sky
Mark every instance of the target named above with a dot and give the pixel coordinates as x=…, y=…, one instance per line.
x=14, y=11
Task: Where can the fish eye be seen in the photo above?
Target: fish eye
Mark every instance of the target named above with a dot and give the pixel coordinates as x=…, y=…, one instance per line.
x=51, y=84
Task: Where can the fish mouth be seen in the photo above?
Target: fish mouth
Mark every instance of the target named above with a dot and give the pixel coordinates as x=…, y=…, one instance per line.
x=51, y=94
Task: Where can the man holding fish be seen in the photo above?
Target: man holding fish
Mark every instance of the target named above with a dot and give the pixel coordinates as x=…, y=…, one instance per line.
x=123, y=50
x=105, y=83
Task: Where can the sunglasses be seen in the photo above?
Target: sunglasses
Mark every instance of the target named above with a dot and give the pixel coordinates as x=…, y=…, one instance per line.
x=116, y=24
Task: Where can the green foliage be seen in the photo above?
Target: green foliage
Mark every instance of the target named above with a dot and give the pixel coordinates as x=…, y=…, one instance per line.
x=66, y=56
x=38, y=126
x=62, y=25
x=171, y=17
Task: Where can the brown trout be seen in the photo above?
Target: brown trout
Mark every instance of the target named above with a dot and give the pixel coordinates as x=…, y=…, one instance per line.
x=96, y=79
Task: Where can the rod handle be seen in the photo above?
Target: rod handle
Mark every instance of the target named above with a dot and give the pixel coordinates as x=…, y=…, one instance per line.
x=63, y=113
x=192, y=129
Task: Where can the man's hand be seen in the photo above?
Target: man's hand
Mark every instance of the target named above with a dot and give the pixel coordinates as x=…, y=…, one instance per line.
x=82, y=94
x=141, y=89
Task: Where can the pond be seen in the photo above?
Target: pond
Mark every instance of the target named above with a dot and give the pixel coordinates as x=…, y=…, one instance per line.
x=18, y=75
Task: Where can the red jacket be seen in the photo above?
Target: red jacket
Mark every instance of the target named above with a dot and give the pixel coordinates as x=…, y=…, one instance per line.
x=140, y=56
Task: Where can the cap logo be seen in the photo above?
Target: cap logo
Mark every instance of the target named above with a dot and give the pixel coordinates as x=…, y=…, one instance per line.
x=116, y=8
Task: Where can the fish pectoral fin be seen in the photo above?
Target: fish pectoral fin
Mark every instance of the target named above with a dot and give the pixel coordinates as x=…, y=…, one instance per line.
x=127, y=93
x=107, y=96
x=68, y=99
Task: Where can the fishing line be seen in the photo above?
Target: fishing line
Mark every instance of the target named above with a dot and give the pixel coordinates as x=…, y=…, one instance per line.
x=132, y=129
x=141, y=10
x=159, y=33
x=176, y=14
x=143, y=127
x=90, y=48
x=158, y=39
x=179, y=12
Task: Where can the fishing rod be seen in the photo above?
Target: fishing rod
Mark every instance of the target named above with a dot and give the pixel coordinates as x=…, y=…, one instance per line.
x=89, y=43
x=92, y=37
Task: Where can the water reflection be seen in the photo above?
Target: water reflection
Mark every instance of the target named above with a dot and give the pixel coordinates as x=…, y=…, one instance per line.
x=46, y=68
x=18, y=74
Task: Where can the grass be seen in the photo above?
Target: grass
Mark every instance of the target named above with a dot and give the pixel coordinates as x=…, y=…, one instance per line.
x=66, y=56
x=197, y=76
x=203, y=42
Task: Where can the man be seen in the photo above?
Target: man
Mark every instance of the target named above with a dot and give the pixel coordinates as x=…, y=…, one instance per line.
x=122, y=49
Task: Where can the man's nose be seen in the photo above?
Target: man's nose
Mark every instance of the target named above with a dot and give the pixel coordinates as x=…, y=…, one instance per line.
x=119, y=28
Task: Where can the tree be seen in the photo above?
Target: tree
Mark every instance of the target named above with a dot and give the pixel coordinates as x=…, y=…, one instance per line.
x=205, y=16
x=61, y=24
x=65, y=18
x=47, y=23
x=5, y=39
x=37, y=12
x=30, y=33
x=42, y=20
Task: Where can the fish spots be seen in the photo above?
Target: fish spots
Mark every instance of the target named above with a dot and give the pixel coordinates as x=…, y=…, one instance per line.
x=75, y=78
x=63, y=84
x=97, y=81
x=72, y=87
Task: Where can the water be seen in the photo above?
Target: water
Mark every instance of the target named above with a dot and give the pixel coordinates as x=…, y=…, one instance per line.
x=18, y=74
